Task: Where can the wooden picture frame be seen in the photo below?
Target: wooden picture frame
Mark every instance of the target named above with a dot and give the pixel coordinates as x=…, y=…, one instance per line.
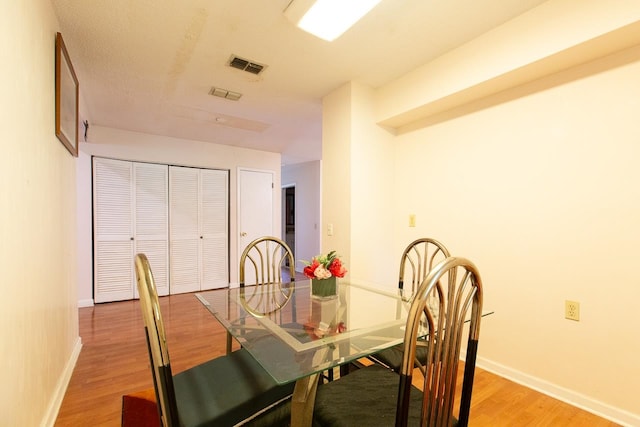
x=67, y=89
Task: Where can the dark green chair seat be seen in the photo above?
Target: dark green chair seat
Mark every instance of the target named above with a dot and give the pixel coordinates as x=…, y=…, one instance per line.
x=366, y=397
x=228, y=389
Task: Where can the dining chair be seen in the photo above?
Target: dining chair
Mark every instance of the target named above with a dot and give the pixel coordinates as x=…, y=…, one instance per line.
x=266, y=290
x=376, y=396
x=224, y=391
x=418, y=258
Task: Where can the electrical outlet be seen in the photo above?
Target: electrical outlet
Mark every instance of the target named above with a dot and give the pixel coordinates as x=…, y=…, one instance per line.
x=572, y=310
x=412, y=220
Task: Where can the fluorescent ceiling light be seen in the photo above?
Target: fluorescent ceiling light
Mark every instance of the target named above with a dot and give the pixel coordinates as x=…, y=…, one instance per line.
x=327, y=19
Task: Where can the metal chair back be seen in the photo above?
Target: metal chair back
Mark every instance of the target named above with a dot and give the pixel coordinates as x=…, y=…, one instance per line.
x=157, y=343
x=419, y=257
x=456, y=284
x=267, y=278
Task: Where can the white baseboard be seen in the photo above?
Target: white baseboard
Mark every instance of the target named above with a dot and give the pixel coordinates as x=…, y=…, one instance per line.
x=578, y=400
x=51, y=415
x=85, y=303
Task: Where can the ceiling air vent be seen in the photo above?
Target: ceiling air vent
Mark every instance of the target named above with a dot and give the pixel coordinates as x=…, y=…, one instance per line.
x=224, y=93
x=246, y=65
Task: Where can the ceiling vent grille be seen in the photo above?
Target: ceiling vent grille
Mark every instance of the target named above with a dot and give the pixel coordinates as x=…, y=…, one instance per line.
x=224, y=93
x=246, y=65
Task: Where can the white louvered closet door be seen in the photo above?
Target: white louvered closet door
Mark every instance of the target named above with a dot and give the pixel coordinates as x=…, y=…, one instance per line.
x=130, y=216
x=214, y=210
x=198, y=229
x=184, y=233
x=113, y=230
x=151, y=220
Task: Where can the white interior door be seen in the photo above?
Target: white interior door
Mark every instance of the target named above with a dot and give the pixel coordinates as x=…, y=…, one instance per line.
x=255, y=208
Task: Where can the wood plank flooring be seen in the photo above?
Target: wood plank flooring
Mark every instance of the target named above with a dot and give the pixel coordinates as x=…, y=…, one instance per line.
x=114, y=362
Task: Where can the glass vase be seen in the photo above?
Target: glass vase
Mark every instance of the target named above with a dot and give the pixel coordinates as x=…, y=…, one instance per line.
x=323, y=288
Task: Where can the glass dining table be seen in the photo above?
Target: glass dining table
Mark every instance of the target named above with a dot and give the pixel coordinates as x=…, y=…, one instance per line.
x=295, y=335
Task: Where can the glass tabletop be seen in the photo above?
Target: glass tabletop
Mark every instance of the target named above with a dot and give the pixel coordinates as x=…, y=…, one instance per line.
x=293, y=334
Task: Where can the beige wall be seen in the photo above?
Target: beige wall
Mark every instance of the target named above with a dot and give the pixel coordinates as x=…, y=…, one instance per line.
x=541, y=193
x=39, y=325
x=125, y=145
x=535, y=183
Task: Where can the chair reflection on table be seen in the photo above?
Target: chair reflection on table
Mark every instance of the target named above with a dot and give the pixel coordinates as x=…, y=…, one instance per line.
x=264, y=288
x=375, y=395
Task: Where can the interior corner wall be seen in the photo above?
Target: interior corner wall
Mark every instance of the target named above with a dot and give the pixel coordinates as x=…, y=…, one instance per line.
x=372, y=199
x=336, y=173
x=358, y=211
x=540, y=190
x=39, y=318
x=133, y=146
x=306, y=178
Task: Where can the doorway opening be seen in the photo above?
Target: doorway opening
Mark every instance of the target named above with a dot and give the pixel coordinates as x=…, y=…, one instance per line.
x=289, y=217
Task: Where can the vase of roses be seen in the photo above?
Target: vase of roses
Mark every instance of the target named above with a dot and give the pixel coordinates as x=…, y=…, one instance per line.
x=323, y=271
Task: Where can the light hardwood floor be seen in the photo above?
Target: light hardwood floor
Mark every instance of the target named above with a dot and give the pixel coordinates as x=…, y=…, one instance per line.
x=114, y=362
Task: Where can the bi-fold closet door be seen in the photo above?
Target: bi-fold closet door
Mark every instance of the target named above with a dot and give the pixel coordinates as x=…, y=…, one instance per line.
x=130, y=214
x=177, y=216
x=198, y=229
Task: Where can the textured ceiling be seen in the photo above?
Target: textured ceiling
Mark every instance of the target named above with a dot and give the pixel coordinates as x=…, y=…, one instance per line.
x=148, y=65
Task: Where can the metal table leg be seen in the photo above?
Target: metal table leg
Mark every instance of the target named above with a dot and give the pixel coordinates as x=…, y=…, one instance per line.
x=303, y=400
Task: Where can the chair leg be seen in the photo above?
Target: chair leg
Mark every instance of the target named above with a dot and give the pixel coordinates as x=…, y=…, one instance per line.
x=344, y=369
x=467, y=384
x=228, y=343
x=327, y=375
